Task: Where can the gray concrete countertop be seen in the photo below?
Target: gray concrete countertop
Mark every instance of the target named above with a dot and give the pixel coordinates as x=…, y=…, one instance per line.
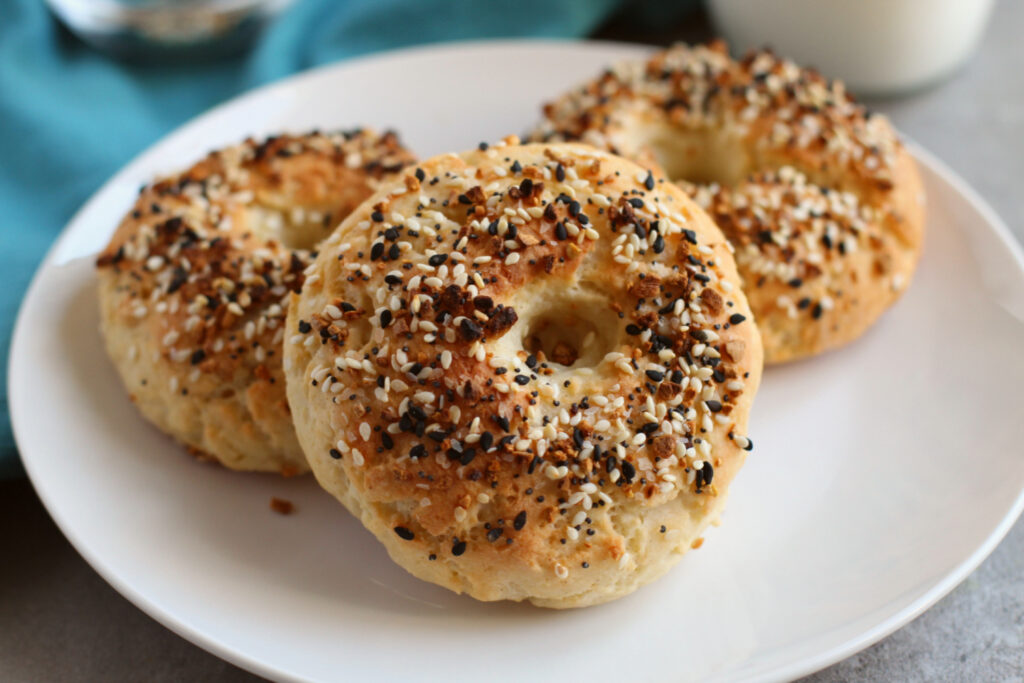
x=60, y=621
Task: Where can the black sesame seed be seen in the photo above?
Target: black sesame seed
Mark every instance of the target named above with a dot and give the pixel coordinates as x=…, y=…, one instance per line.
x=655, y=376
x=691, y=236
x=649, y=181
x=494, y=534
x=795, y=282
x=420, y=175
x=197, y=356
x=659, y=244
x=404, y=533
x=737, y=318
x=394, y=252
x=376, y=251
x=437, y=259
x=714, y=406
x=520, y=521
x=517, y=167
x=385, y=318
x=459, y=547
x=636, y=203
x=560, y=231
x=628, y=471
x=522, y=380
x=560, y=173
x=179, y=279
x=817, y=311
x=335, y=453
x=486, y=440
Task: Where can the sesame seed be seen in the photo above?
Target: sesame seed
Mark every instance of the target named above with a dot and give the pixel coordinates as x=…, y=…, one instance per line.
x=520, y=521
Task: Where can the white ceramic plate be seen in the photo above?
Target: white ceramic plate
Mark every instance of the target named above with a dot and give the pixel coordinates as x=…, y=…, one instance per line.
x=882, y=473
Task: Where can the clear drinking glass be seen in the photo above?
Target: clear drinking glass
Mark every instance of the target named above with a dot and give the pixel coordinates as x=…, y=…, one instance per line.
x=154, y=28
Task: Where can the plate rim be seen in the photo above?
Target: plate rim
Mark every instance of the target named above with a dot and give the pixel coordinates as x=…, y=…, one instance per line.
x=180, y=626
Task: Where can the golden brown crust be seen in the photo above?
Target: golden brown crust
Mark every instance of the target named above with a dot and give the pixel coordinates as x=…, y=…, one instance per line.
x=426, y=361
x=194, y=286
x=759, y=143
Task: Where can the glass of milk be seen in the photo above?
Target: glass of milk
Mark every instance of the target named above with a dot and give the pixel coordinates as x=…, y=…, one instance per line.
x=878, y=47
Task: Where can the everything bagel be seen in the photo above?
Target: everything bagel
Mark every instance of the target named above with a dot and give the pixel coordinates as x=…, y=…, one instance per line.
x=821, y=201
x=527, y=370
x=194, y=284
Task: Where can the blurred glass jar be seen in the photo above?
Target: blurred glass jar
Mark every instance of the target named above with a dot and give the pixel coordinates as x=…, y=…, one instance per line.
x=878, y=47
x=167, y=28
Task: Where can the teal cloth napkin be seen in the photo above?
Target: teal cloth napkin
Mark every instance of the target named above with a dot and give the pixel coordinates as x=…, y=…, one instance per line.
x=70, y=116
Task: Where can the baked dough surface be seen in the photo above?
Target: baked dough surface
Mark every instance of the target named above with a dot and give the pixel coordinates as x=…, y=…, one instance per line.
x=527, y=370
x=823, y=204
x=194, y=284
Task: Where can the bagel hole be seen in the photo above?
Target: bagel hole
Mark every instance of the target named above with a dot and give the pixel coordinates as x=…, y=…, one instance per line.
x=574, y=339
x=699, y=157
x=298, y=228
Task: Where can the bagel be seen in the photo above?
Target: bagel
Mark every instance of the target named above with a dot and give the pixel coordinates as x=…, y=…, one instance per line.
x=527, y=369
x=822, y=203
x=194, y=284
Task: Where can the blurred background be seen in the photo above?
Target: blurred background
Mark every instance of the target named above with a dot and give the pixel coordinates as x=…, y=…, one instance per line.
x=85, y=85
